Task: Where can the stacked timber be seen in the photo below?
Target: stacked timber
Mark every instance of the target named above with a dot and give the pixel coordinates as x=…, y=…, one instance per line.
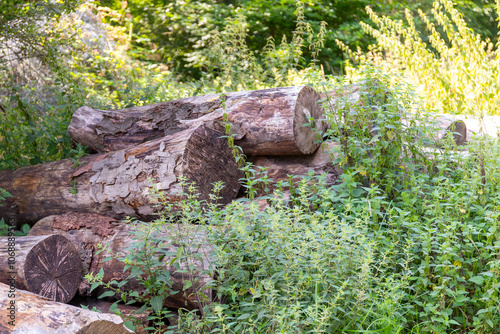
x=48, y=265
x=140, y=155
x=30, y=313
x=88, y=231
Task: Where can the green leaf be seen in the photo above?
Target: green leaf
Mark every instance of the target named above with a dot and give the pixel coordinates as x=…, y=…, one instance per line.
x=129, y=324
x=187, y=285
x=106, y=294
x=244, y=316
x=94, y=285
x=479, y=280
x=157, y=303
x=25, y=228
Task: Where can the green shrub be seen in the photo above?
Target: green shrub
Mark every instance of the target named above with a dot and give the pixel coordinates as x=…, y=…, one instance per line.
x=456, y=70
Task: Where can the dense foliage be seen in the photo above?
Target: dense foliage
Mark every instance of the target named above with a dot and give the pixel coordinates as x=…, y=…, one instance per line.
x=406, y=242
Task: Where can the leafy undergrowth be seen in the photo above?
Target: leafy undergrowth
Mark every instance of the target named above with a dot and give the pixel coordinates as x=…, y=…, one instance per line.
x=406, y=242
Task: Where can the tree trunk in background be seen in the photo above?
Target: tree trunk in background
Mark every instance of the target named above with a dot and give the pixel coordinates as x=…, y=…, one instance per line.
x=86, y=231
x=47, y=265
x=118, y=184
x=264, y=122
x=35, y=314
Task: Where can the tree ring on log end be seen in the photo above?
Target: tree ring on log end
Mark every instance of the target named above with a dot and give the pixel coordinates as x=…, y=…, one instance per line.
x=53, y=269
x=307, y=107
x=207, y=160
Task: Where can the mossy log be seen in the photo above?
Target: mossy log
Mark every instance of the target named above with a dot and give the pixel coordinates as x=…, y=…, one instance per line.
x=87, y=231
x=119, y=184
x=264, y=122
x=30, y=313
x=48, y=265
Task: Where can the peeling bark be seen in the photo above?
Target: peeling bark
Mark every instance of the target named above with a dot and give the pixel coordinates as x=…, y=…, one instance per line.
x=119, y=184
x=264, y=122
x=87, y=231
x=46, y=265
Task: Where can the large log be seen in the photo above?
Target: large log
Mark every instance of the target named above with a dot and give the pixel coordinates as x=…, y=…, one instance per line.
x=87, y=231
x=47, y=265
x=22, y=312
x=278, y=168
x=266, y=122
x=119, y=184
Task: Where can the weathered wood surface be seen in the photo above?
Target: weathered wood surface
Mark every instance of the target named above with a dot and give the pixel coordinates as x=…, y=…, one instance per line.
x=29, y=313
x=126, y=311
x=320, y=163
x=47, y=265
x=119, y=184
x=265, y=122
x=86, y=231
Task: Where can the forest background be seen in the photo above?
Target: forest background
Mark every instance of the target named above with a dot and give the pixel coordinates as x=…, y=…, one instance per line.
x=407, y=242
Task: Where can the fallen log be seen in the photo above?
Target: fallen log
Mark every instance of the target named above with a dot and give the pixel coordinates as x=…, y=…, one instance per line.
x=119, y=184
x=25, y=312
x=278, y=168
x=48, y=265
x=264, y=122
x=354, y=100
x=487, y=126
x=87, y=231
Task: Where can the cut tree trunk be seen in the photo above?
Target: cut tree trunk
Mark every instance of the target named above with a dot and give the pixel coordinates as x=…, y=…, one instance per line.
x=86, y=231
x=488, y=126
x=264, y=122
x=278, y=168
x=29, y=313
x=454, y=127
x=47, y=265
x=119, y=184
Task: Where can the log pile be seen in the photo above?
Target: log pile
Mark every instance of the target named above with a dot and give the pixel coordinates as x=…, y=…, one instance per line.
x=88, y=231
x=31, y=313
x=140, y=155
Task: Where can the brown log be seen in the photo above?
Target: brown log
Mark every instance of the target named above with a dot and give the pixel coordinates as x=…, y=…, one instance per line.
x=86, y=231
x=445, y=125
x=23, y=312
x=47, y=265
x=320, y=163
x=118, y=184
x=266, y=122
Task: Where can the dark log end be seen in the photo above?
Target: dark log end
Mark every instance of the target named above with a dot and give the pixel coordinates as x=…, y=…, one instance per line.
x=308, y=138
x=459, y=131
x=53, y=269
x=208, y=159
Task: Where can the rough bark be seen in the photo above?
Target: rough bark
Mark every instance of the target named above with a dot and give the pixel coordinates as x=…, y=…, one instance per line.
x=30, y=313
x=278, y=168
x=119, y=184
x=264, y=122
x=86, y=231
x=47, y=265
